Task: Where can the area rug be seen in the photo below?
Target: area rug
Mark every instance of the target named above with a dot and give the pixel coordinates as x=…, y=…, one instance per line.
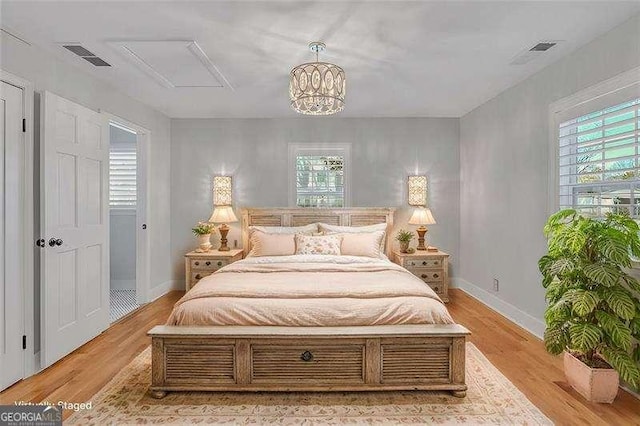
x=491, y=399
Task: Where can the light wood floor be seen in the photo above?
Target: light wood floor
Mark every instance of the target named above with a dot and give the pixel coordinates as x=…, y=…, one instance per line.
x=518, y=354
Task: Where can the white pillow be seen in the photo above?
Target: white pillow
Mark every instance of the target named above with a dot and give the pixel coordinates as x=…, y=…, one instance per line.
x=306, y=229
x=335, y=229
x=263, y=244
x=326, y=244
x=368, y=244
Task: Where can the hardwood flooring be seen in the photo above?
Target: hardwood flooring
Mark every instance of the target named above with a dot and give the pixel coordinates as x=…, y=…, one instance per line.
x=519, y=355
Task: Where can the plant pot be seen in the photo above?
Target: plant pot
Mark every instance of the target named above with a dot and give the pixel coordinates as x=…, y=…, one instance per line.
x=204, y=243
x=404, y=246
x=595, y=384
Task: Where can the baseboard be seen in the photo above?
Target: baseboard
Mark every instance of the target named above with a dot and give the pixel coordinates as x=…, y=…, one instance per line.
x=164, y=288
x=523, y=319
x=123, y=284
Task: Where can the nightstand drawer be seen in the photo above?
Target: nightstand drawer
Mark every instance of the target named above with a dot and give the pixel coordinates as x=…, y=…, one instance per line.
x=423, y=263
x=207, y=264
x=197, y=276
x=438, y=288
x=427, y=275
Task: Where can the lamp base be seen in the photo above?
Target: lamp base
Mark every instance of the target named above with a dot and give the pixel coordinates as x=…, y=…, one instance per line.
x=224, y=230
x=421, y=232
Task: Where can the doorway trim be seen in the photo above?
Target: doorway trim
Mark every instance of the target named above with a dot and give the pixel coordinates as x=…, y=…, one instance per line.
x=30, y=358
x=143, y=237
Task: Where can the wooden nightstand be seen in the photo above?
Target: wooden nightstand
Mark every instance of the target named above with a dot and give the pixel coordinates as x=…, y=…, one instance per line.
x=432, y=267
x=199, y=265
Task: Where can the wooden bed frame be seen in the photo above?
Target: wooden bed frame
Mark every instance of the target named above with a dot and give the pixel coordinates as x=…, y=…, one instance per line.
x=261, y=358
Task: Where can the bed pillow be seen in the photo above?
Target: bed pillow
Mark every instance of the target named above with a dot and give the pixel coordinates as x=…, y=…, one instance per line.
x=306, y=229
x=327, y=229
x=368, y=244
x=264, y=244
x=325, y=244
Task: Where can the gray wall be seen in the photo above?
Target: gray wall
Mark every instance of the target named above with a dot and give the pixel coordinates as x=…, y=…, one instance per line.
x=122, y=229
x=504, y=154
x=48, y=73
x=255, y=153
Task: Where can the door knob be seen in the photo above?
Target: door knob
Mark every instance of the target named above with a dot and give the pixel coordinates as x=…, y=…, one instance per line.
x=55, y=242
x=40, y=242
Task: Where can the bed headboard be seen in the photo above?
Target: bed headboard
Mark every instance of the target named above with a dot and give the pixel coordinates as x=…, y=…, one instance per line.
x=300, y=216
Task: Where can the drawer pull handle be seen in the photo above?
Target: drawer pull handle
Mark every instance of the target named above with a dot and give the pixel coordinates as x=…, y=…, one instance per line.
x=436, y=289
x=306, y=356
x=196, y=263
x=424, y=275
x=219, y=263
x=424, y=262
x=435, y=275
x=208, y=263
x=198, y=276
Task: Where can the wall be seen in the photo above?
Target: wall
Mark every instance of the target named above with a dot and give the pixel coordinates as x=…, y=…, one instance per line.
x=122, y=229
x=48, y=73
x=254, y=151
x=504, y=155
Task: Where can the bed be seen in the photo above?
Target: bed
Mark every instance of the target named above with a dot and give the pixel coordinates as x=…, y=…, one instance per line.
x=310, y=322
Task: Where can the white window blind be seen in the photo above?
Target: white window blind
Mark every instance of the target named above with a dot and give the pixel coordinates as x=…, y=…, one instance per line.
x=320, y=180
x=122, y=176
x=599, y=167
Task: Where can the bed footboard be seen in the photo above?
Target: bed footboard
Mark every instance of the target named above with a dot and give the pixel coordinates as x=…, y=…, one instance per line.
x=367, y=358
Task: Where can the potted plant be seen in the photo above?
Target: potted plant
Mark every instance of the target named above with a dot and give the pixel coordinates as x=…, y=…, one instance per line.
x=594, y=308
x=404, y=238
x=203, y=233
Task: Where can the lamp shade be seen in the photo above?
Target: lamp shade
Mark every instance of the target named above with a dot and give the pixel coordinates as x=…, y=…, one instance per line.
x=223, y=214
x=422, y=216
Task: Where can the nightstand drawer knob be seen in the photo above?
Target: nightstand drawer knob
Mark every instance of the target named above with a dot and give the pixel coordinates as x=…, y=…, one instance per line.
x=196, y=263
x=198, y=276
x=424, y=275
x=208, y=263
x=435, y=275
x=436, y=289
x=424, y=262
x=219, y=263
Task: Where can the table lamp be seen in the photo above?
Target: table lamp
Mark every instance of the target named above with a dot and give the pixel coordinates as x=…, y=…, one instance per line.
x=223, y=215
x=422, y=216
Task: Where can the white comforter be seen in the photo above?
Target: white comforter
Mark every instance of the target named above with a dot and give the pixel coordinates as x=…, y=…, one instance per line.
x=310, y=290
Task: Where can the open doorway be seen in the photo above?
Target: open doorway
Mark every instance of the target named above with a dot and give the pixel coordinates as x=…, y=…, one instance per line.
x=123, y=200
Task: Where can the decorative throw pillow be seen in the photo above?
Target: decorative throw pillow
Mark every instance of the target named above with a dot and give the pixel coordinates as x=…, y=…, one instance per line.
x=263, y=244
x=362, y=244
x=327, y=244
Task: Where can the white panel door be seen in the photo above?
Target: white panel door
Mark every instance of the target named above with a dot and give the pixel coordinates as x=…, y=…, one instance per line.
x=75, y=273
x=12, y=187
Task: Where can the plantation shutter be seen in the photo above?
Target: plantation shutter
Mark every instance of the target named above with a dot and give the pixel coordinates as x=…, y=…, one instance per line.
x=598, y=162
x=122, y=176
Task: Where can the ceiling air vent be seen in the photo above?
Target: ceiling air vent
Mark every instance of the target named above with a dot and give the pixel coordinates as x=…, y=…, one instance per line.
x=532, y=53
x=86, y=55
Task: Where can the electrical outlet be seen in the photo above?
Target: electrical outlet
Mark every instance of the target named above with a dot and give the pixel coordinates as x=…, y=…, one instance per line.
x=496, y=285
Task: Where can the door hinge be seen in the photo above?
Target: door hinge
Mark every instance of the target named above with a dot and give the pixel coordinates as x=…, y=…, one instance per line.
x=24, y=342
x=24, y=125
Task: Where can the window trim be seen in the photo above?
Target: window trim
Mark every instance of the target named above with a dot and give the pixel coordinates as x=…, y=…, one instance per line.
x=618, y=83
x=296, y=149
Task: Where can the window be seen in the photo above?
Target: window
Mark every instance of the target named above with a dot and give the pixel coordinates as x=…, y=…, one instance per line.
x=122, y=176
x=319, y=175
x=599, y=160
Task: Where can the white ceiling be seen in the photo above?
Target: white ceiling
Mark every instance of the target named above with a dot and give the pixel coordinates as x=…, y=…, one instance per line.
x=402, y=59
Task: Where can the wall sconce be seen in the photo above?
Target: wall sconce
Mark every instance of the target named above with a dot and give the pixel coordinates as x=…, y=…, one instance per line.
x=222, y=191
x=417, y=190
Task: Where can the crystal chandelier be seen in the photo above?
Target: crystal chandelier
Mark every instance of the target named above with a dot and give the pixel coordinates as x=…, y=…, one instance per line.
x=317, y=88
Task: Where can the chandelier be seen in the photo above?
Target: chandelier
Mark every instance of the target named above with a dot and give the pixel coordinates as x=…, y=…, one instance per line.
x=317, y=88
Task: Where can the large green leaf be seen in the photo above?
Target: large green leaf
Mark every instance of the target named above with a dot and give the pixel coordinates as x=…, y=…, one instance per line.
x=544, y=263
x=561, y=266
x=636, y=354
x=558, y=313
x=634, y=326
x=555, y=339
x=621, y=302
x=603, y=274
x=619, y=333
x=632, y=283
x=624, y=365
x=584, y=302
x=584, y=336
x=555, y=290
x=557, y=219
x=575, y=239
x=615, y=249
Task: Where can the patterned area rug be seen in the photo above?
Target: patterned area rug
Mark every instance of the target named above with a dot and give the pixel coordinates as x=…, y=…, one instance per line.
x=491, y=399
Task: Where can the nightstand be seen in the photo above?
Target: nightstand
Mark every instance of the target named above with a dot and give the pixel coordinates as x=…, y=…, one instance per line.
x=432, y=267
x=199, y=265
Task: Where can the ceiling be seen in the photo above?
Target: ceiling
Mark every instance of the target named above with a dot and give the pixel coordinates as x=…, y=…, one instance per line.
x=402, y=59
